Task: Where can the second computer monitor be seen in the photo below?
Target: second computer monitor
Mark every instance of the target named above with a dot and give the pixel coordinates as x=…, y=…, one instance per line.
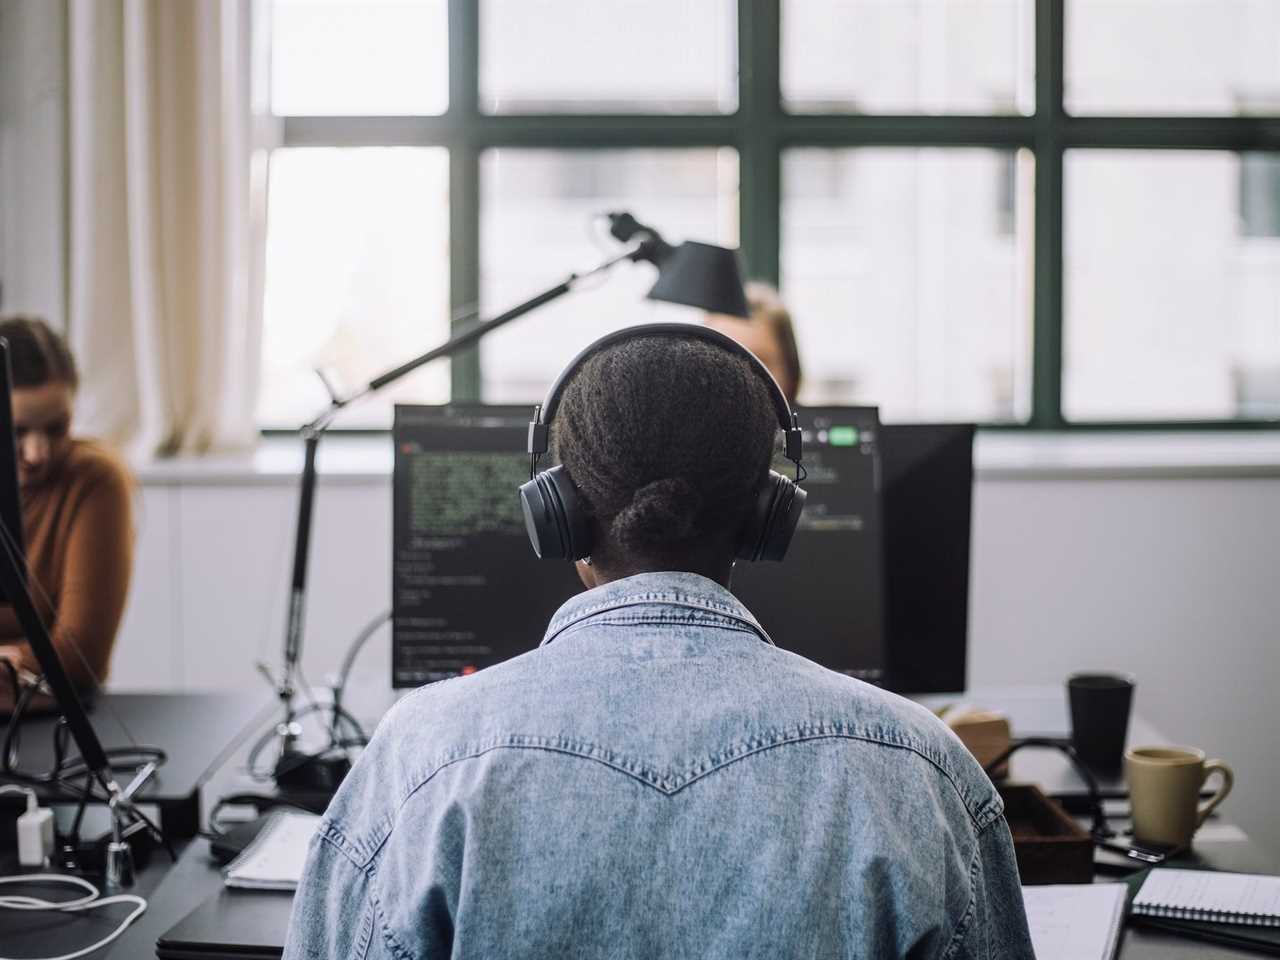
x=927, y=471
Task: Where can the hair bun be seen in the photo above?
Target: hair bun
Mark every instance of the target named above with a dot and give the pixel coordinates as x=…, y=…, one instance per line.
x=660, y=512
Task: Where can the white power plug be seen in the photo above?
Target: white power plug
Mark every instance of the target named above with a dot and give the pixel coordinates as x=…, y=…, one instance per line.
x=35, y=834
x=35, y=830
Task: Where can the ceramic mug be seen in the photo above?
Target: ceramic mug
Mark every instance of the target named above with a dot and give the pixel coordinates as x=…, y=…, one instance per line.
x=1164, y=792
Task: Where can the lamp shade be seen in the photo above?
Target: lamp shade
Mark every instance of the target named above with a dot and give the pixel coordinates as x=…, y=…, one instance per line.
x=701, y=275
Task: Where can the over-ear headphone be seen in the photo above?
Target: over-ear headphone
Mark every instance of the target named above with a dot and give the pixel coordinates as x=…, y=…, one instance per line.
x=556, y=518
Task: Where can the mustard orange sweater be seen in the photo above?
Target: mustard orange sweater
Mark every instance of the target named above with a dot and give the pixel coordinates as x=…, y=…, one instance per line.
x=78, y=527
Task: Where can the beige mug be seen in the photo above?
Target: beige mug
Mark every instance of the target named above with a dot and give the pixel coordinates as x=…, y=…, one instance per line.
x=1164, y=792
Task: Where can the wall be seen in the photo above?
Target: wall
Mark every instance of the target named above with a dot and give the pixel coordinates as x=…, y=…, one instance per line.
x=33, y=89
x=1173, y=580
x=1168, y=573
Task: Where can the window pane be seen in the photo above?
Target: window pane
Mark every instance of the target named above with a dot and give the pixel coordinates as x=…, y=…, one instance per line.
x=1172, y=286
x=908, y=56
x=537, y=213
x=357, y=279
x=641, y=56
x=359, y=57
x=1164, y=57
x=908, y=272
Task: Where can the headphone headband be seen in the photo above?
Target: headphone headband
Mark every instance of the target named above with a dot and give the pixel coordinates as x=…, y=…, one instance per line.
x=540, y=427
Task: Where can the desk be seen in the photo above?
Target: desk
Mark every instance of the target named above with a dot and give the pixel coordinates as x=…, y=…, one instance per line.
x=197, y=732
x=53, y=934
x=195, y=879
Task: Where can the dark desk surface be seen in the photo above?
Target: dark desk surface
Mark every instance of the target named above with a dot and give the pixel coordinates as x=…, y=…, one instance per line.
x=55, y=934
x=1033, y=711
x=197, y=732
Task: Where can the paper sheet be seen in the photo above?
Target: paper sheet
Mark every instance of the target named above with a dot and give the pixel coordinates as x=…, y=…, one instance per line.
x=1075, y=921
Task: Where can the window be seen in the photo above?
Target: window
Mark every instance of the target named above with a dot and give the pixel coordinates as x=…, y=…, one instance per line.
x=915, y=296
x=537, y=211
x=1171, y=314
x=1036, y=213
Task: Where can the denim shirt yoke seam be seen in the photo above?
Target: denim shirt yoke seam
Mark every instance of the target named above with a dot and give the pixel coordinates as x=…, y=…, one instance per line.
x=363, y=852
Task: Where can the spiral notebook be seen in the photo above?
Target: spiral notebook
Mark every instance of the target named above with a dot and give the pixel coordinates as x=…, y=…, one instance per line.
x=1210, y=897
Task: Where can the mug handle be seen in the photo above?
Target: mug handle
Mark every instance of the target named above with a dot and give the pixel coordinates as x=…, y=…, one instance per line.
x=1228, y=780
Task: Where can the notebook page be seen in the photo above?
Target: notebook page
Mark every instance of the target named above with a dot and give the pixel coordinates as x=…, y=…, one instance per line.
x=276, y=857
x=1075, y=921
x=1211, y=892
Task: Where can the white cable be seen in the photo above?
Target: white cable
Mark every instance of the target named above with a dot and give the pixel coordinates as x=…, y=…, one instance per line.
x=92, y=900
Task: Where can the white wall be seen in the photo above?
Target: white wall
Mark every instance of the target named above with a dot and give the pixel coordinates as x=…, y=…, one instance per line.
x=32, y=172
x=1168, y=575
x=1173, y=580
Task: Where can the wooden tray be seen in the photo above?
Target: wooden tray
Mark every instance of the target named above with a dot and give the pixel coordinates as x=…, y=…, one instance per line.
x=1050, y=846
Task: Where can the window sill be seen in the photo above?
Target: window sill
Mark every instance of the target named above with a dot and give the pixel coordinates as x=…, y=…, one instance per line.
x=1122, y=455
x=998, y=455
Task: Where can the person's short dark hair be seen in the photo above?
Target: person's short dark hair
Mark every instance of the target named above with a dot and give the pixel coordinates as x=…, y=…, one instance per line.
x=766, y=307
x=667, y=439
x=37, y=353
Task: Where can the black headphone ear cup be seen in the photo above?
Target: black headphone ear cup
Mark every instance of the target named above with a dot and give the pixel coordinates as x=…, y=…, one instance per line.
x=554, y=517
x=773, y=521
x=575, y=525
x=757, y=521
x=788, y=504
x=539, y=522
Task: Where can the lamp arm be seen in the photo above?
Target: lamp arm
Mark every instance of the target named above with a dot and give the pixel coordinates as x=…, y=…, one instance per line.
x=470, y=335
x=311, y=433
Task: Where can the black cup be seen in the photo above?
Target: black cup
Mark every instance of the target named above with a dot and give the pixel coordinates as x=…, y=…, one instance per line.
x=1100, y=705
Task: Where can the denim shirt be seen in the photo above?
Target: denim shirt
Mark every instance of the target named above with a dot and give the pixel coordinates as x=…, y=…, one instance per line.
x=657, y=779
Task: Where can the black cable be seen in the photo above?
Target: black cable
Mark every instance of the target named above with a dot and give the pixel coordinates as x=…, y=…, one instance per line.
x=262, y=776
x=348, y=661
x=1099, y=830
x=80, y=811
x=22, y=694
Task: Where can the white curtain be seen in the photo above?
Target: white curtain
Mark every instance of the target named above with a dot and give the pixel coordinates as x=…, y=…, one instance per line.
x=163, y=285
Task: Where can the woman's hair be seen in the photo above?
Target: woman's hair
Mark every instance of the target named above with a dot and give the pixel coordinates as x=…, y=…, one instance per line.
x=37, y=354
x=766, y=307
x=667, y=439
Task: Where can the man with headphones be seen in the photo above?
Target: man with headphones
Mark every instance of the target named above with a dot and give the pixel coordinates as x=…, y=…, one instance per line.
x=656, y=778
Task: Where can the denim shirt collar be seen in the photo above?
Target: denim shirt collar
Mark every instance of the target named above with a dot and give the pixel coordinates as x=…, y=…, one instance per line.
x=673, y=588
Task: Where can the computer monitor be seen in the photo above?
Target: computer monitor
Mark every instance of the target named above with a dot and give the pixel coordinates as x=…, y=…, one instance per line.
x=825, y=600
x=10, y=507
x=927, y=471
x=468, y=592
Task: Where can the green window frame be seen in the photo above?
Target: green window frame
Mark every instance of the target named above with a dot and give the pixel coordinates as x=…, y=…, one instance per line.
x=760, y=130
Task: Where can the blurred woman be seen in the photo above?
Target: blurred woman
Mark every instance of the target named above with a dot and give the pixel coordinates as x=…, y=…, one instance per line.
x=768, y=334
x=77, y=506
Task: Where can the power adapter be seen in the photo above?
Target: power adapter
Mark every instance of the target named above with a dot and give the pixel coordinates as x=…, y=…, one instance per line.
x=35, y=834
x=34, y=830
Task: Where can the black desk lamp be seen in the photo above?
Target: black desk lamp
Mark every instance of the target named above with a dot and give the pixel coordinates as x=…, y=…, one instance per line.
x=692, y=274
